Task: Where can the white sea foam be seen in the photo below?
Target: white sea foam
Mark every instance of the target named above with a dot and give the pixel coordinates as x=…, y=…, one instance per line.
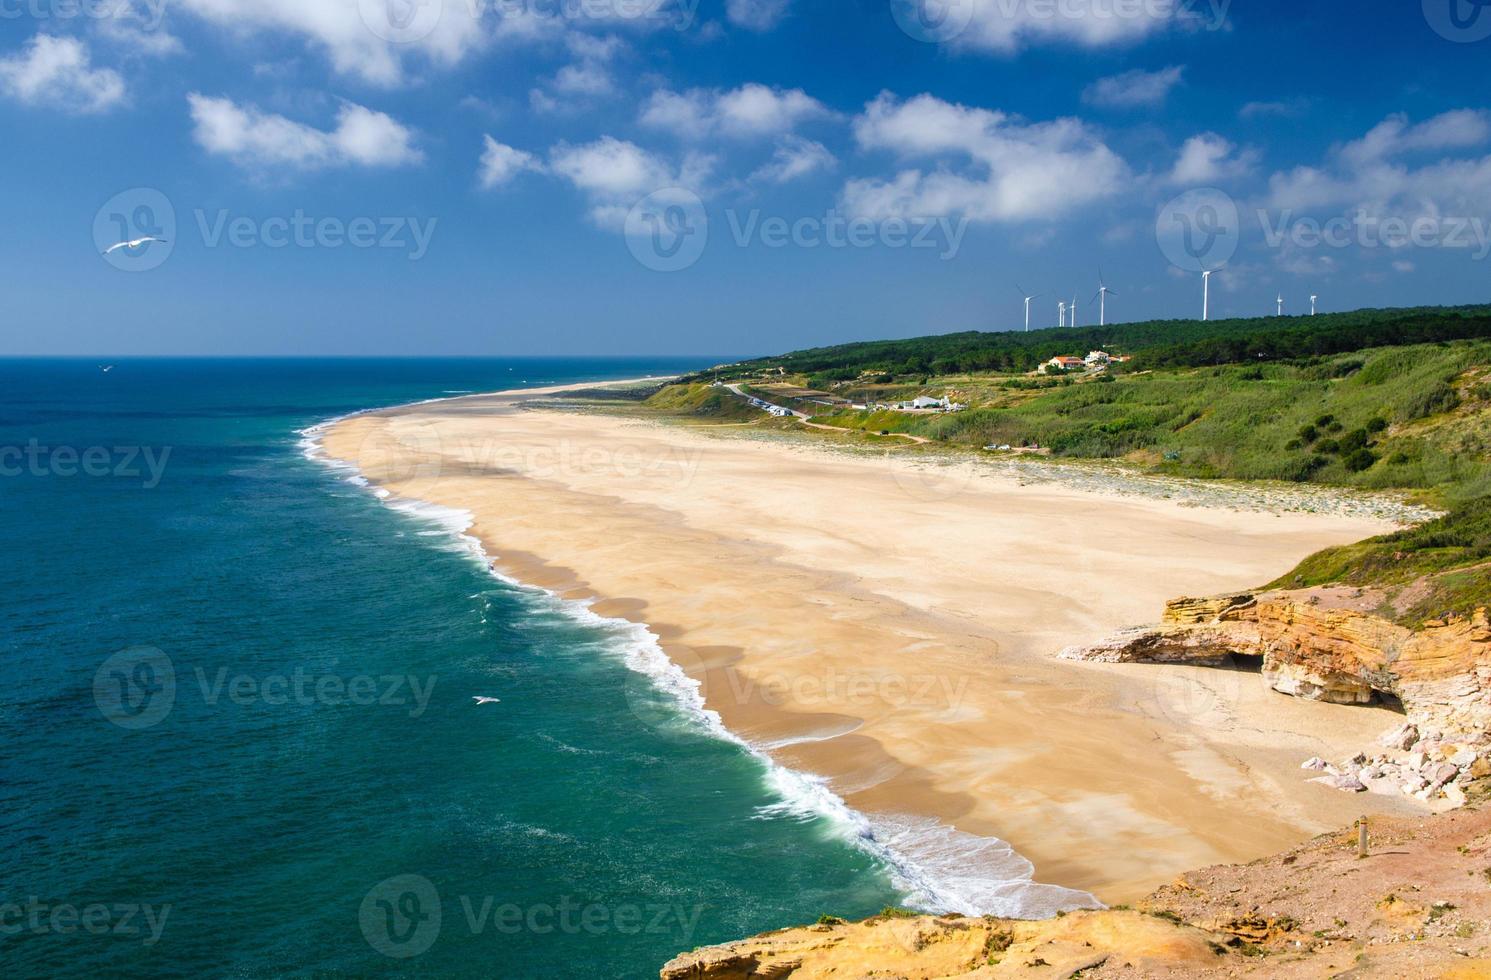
x=937, y=868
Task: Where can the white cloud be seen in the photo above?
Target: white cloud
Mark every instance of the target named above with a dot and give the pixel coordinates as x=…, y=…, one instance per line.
x=1013, y=170
x=756, y=15
x=139, y=27
x=1209, y=158
x=796, y=157
x=586, y=78
x=358, y=45
x=1134, y=88
x=1008, y=26
x=750, y=110
x=57, y=72
x=1370, y=175
x=615, y=174
x=256, y=139
x=501, y=163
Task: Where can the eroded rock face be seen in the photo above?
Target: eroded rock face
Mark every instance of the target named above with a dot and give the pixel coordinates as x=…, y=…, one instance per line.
x=1319, y=645
x=928, y=948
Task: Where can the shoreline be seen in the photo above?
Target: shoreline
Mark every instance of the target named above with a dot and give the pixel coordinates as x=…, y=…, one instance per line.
x=802, y=794
x=845, y=744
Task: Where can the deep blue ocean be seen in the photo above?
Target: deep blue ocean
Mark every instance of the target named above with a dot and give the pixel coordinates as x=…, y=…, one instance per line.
x=237, y=727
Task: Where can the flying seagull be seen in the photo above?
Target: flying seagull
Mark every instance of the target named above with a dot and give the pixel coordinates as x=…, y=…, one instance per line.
x=481, y=700
x=134, y=244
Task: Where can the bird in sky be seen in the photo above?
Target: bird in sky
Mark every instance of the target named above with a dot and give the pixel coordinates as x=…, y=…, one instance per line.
x=133, y=244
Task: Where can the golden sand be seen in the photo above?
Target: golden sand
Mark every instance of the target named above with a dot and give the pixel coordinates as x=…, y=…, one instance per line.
x=892, y=626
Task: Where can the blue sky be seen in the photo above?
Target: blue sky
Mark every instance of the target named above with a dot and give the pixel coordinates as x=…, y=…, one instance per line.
x=721, y=177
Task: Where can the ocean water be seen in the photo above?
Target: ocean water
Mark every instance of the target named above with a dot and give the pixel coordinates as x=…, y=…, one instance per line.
x=238, y=734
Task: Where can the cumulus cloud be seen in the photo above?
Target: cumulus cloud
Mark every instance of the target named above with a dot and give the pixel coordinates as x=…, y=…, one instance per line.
x=615, y=174
x=358, y=37
x=1209, y=158
x=501, y=163
x=756, y=15
x=58, y=73
x=1008, y=26
x=1371, y=174
x=750, y=110
x=1011, y=170
x=586, y=78
x=256, y=139
x=1133, y=89
x=795, y=157
x=138, y=27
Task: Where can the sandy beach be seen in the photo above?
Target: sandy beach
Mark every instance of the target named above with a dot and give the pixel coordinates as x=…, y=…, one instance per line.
x=892, y=626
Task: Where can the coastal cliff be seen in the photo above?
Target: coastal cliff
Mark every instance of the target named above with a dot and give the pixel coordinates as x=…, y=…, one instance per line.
x=1417, y=906
x=1335, y=644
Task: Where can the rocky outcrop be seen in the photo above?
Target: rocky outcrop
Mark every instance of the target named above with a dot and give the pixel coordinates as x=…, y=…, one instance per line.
x=1416, y=906
x=1330, y=645
x=928, y=948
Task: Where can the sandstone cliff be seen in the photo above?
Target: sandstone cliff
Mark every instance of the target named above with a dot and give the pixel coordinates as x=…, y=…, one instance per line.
x=1419, y=905
x=1334, y=644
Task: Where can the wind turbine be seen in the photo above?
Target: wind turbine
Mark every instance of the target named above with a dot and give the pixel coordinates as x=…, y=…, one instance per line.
x=1281, y=304
x=1102, y=298
x=1313, y=299
x=1028, y=298
x=1074, y=309
x=1061, y=313
x=1205, y=295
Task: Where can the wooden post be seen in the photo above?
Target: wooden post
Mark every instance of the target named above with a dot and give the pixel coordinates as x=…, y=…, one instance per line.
x=1361, y=837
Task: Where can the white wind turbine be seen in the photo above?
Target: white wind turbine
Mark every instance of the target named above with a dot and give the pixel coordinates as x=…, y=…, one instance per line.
x=1205, y=295
x=1313, y=300
x=1061, y=313
x=1102, y=298
x=1028, y=298
x=1281, y=305
x=1074, y=309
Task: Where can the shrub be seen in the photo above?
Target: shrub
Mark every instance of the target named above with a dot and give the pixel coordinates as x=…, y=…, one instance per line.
x=1440, y=398
x=1293, y=445
x=1330, y=446
x=1377, y=425
x=1352, y=441
x=1309, y=434
x=1324, y=421
x=1361, y=459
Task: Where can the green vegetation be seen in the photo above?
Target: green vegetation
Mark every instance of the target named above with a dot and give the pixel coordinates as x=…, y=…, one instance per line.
x=1408, y=417
x=1155, y=344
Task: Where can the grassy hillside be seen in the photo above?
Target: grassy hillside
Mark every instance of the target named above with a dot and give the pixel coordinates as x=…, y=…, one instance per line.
x=1158, y=343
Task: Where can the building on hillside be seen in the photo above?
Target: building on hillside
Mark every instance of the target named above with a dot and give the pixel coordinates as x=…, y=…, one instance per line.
x=1063, y=364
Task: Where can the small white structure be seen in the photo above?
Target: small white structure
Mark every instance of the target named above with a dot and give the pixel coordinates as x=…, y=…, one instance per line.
x=1097, y=359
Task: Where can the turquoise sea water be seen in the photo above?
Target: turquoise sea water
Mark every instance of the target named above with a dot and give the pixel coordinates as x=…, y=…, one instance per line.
x=237, y=727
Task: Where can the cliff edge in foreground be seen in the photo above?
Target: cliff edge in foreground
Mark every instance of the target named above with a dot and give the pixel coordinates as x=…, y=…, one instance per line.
x=1419, y=905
